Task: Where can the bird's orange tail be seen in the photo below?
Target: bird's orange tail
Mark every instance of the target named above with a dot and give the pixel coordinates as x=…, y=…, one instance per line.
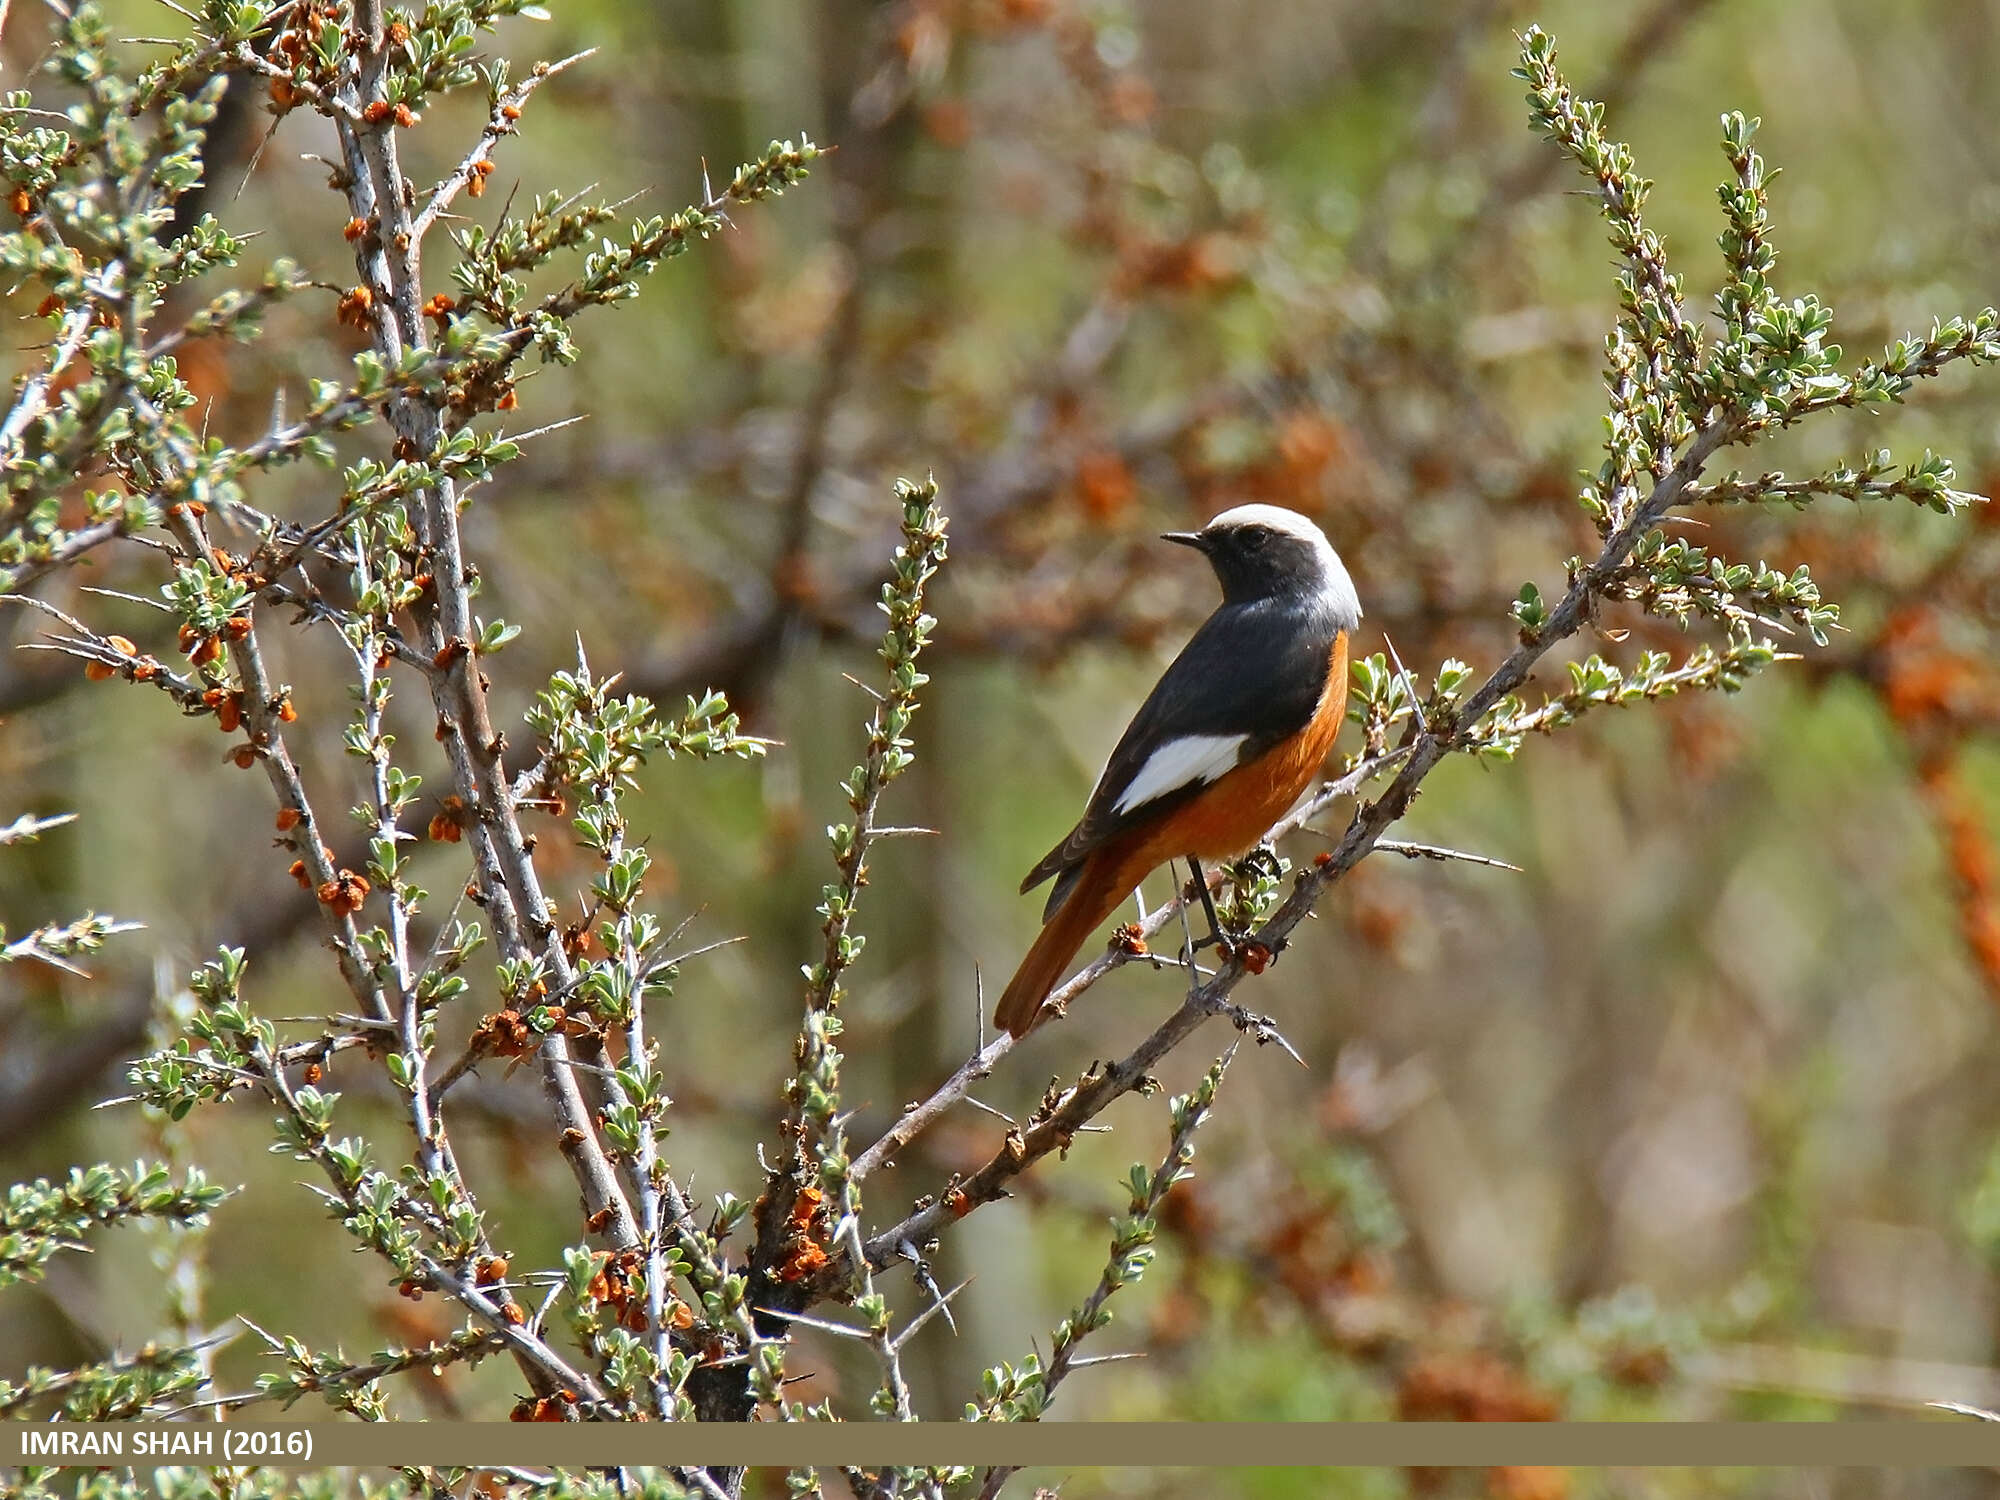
x=1102, y=885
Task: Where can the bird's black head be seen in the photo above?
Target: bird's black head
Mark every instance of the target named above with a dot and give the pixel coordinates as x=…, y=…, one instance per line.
x=1265, y=551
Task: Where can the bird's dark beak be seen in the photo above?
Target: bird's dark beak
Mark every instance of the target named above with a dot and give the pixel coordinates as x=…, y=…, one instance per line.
x=1192, y=539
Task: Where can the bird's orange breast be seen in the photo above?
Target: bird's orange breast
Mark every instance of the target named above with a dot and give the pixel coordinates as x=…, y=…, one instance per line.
x=1230, y=816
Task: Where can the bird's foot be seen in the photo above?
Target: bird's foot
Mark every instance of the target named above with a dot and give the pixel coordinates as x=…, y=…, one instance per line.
x=1226, y=941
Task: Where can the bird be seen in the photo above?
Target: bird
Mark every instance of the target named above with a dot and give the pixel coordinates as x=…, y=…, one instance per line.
x=1224, y=745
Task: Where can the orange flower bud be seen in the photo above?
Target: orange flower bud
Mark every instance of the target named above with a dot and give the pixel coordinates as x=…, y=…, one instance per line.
x=344, y=893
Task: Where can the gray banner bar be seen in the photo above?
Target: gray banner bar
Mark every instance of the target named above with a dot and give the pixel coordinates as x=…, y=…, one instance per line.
x=1945, y=1442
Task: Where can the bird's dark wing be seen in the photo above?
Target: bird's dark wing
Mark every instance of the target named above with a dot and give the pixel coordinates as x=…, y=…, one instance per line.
x=1250, y=676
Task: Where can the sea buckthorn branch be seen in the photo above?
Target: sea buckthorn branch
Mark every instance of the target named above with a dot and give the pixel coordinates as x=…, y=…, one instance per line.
x=414, y=991
x=217, y=608
x=376, y=1209
x=594, y=743
x=1928, y=482
x=639, y=1096
x=1022, y=1392
x=488, y=269
x=56, y=943
x=39, y=1219
x=29, y=827
x=346, y=1386
x=108, y=1390
x=90, y=196
x=812, y=1192
x=388, y=247
x=395, y=529
x=508, y=101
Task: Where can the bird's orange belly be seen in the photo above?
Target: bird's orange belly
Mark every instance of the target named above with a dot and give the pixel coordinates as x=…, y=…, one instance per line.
x=1241, y=806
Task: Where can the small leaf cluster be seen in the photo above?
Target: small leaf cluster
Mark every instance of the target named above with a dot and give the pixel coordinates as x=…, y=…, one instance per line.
x=219, y=1054
x=1676, y=579
x=108, y=1390
x=491, y=268
x=597, y=741
x=1595, y=683
x=40, y=1218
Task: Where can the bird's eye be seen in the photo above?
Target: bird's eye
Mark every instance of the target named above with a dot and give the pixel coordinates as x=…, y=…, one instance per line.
x=1255, y=538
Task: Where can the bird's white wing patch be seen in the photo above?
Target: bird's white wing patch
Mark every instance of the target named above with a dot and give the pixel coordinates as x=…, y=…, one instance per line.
x=1188, y=761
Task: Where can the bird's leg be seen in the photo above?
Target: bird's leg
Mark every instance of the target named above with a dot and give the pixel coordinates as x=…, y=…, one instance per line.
x=1215, y=936
x=1188, y=944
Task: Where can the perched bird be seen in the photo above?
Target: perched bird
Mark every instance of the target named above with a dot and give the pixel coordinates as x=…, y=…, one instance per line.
x=1230, y=737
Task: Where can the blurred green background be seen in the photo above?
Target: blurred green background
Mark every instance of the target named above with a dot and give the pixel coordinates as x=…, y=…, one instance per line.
x=1692, y=1118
